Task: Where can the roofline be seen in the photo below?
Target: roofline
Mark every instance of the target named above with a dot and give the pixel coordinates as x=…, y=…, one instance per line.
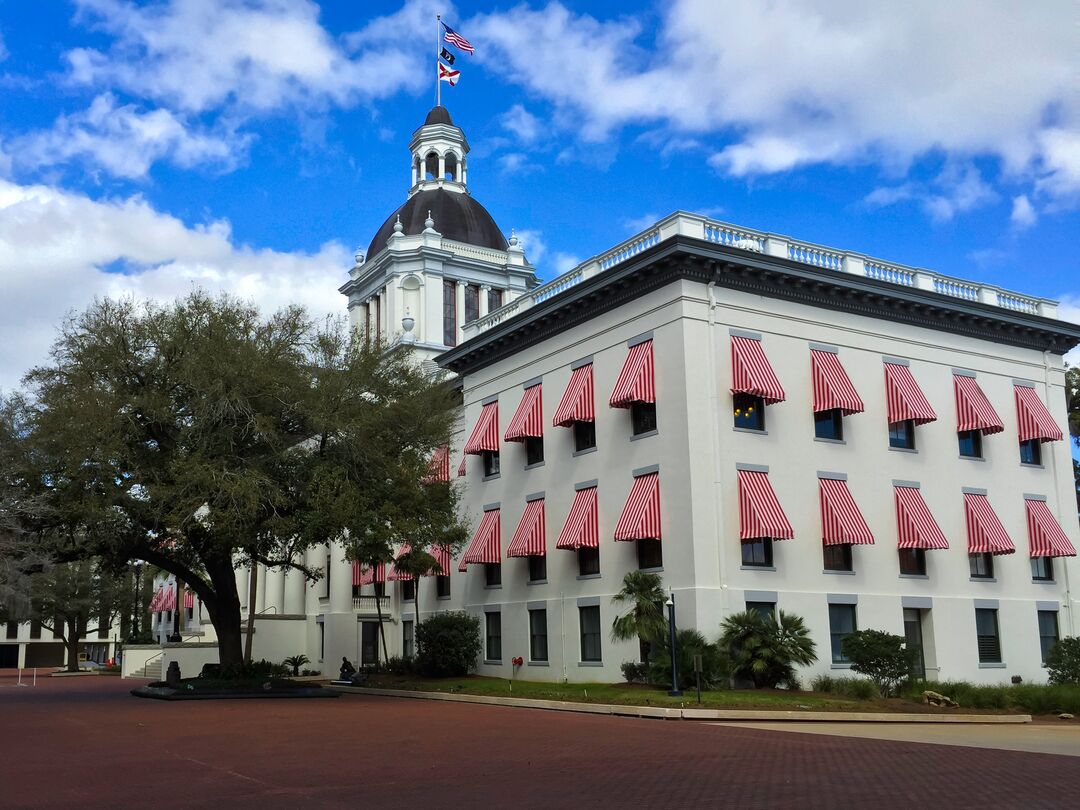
x=683, y=257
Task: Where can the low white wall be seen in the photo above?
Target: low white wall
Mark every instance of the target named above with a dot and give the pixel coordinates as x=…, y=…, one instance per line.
x=279, y=637
x=134, y=657
x=190, y=657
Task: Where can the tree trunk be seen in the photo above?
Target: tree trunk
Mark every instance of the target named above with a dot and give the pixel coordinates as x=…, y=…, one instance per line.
x=253, y=583
x=224, y=609
x=71, y=641
x=382, y=634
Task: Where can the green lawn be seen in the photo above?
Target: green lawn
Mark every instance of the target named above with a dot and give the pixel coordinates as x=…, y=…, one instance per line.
x=634, y=695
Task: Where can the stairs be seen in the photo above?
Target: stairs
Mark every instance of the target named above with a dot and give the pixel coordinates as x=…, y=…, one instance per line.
x=152, y=670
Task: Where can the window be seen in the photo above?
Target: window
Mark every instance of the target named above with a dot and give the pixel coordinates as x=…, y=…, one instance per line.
x=538, y=650
x=534, y=449
x=970, y=443
x=584, y=436
x=588, y=561
x=189, y=616
x=12, y=630
x=35, y=628
x=472, y=303
x=380, y=589
x=650, y=554
x=838, y=558
x=749, y=411
x=643, y=417
x=322, y=640
x=537, y=568
x=913, y=561
x=590, y=633
x=981, y=566
x=491, y=463
x=758, y=552
x=493, y=574
x=408, y=590
x=449, y=307
x=326, y=579
x=1048, y=631
x=841, y=625
x=1042, y=569
x=986, y=632
x=356, y=591
x=902, y=435
x=493, y=636
x=829, y=424
x=1031, y=452
x=406, y=639
x=442, y=586
x=495, y=299
x=766, y=610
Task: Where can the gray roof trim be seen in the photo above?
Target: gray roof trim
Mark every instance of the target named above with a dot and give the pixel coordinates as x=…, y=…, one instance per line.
x=642, y=338
x=843, y=598
x=489, y=400
x=585, y=485
x=535, y=381
x=536, y=604
x=536, y=496
x=963, y=372
x=1030, y=497
x=760, y=596
x=1047, y=605
x=1023, y=383
x=584, y=361
x=743, y=333
x=895, y=361
x=832, y=476
x=683, y=257
x=640, y=471
x=972, y=491
x=917, y=602
x=905, y=484
x=986, y=604
x=588, y=601
x=761, y=468
x=491, y=507
x=824, y=347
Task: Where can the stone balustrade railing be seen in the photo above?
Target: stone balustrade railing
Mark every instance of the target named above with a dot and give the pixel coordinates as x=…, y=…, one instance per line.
x=734, y=236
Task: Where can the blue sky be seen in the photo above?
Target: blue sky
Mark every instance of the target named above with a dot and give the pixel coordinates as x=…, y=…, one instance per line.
x=250, y=146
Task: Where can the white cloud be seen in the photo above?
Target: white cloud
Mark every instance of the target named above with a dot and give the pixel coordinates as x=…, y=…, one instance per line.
x=840, y=82
x=956, y=190
x=1023, y=213
x=635, y=224
x=126, y=141
x=1069, y=310
x=526, y=126
x=56, y=248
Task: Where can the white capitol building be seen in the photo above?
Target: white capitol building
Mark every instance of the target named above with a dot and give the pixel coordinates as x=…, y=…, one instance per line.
x=765, y=422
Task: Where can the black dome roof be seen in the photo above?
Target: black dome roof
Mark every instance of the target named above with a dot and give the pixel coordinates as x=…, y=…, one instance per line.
x=438, y=115
x=457, y=216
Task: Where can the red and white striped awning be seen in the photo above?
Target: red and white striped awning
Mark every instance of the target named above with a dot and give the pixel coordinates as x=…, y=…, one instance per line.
x=577, y=401
x=530, y=539
x=832, y=386
x=905, y=400
x=640, y=519
x=461, y=466
x=973, y=409
x=841, y=521
x=485, y=436
x=157, y=600
x=168, y=600
x=189, y=599
x=1033, y=417
x=1045, y=535
x=528, y=421
x=367, y=576
x=484, y=547
x=985, y=533
x=439, y=468
x=399, y=576
x=760, y=513
x=751, y=372
x=581, y=529
x=915, y=526
x=442, y=556
x=637, y=380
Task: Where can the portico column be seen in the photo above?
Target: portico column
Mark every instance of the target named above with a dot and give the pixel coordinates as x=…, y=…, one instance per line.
x=294, y=592
x=484, y=290
x=260, y=589
x=459, y=304
x=276, y=590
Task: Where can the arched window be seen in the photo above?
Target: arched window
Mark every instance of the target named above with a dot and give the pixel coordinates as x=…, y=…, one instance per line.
x=431, y=166
x=451, y=164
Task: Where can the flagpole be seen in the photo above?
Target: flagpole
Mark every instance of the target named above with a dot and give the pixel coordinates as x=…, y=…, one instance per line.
x=438, y=79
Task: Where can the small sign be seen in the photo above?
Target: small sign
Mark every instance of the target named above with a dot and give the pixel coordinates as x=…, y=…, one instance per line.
x=697, y=663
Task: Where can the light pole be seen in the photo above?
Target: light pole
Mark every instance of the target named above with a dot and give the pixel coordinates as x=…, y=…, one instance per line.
x=675, y=690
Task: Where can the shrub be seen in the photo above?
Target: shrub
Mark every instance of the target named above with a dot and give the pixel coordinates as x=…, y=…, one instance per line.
x=311, y=672
x=688, y=643
x=396, y=665
x=1063, y=662
x=447, y=644
x=633, y=672
x=1029, y=697
x=295, y=662
x=251, y=670
x=857, y=688
x=765, y=650
x=882, y=657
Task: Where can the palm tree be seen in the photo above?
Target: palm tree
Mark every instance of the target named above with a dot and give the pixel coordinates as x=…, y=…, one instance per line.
x=765, y=649
x=644, y=593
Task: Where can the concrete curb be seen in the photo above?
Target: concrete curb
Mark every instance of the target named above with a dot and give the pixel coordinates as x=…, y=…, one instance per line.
x=727, y=715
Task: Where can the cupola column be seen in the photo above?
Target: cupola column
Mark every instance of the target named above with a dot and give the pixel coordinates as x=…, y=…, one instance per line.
x=442, y=167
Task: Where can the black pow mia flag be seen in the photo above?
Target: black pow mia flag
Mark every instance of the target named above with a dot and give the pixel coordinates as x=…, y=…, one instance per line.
x=449, y=57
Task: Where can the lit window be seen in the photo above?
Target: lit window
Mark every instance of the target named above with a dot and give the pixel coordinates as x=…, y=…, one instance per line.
x=749, y=412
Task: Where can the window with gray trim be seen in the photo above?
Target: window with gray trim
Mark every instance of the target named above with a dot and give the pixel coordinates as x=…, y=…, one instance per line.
x=981, y=566
x=1042, y=569
x=449, y=313
x=537, y=568
x=642, y=417
x=902, y=434
x=492, y=574
x=442, y=586
x=493, y=636
x=584, y=436
x=829, y=424
x=987, y=638
x=1048, y=632
x=538, y=644
x=757, y=553
x=748, y=411
x=407, y=639
x=590, y=633
x=842, y=623
x=912, y=561
x=1031, y=452
x=588, y=561
x=766, y=610
x=970, y=443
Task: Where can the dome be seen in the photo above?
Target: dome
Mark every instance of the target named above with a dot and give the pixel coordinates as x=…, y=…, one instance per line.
x=457, y=216
x=438, y=115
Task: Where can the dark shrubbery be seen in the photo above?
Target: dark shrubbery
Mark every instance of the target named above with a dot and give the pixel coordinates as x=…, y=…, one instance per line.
x=1029, y=697
x=447, y=645
x=396, y=665
x=633, y=672
x=1063, y=662
x=689, y=643
x=765, y=649
x=247, y=671
x=882, y=657
x=857, y=688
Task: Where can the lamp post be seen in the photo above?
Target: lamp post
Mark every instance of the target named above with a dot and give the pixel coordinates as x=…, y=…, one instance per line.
x=675, y=690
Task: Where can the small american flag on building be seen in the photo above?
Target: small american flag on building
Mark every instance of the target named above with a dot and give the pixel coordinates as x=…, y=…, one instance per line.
x=457, y=40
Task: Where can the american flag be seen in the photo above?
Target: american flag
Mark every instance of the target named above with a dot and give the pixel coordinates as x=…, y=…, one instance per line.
x=457, y=40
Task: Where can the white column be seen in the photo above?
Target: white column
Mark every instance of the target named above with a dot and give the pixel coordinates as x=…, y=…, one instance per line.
x=459, y=305
x=442, y=167
x=275, y=590
x=415, y=164
x=484, y=290
x=242, y=586
x=294, y=592
x=260, y=589
x=464, y=172
x=399, y=310
x=340, y=580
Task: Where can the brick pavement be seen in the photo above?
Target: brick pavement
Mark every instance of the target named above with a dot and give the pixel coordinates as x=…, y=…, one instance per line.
x=83, y=742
